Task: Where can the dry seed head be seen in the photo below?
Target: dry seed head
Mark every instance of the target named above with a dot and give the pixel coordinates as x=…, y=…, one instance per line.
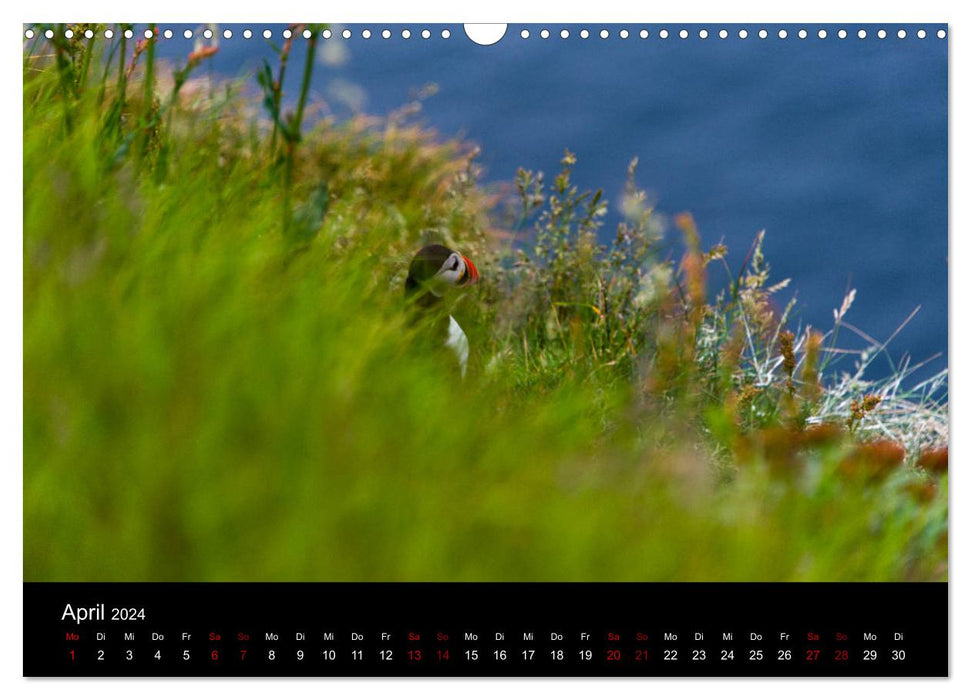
x=716, y=252
x=758, y=310
x=732, y=351
x=845, y=306
x=693, y=265
x=811, y=390
x=748, y=394
x=859, y=409
x=686, y=223
x=786, y=339
x=694, y=273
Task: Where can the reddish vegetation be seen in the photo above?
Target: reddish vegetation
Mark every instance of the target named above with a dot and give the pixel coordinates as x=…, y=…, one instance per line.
x=922, y=492
x=822, y=435
x=201, y=53
x=873, y=460
x=934, y=461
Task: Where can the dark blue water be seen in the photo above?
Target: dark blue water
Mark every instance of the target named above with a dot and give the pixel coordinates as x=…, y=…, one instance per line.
x=837, y=148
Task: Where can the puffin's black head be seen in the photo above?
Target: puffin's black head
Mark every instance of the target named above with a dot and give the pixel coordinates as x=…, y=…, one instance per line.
x=436, y=267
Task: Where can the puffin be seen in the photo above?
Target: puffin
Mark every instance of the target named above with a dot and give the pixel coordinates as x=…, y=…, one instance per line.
x=432, y=271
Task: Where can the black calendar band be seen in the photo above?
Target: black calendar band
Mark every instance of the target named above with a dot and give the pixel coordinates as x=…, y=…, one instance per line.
x=486, y=629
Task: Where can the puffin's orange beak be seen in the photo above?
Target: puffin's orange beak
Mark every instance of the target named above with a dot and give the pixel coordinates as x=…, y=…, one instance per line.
x=471, y=274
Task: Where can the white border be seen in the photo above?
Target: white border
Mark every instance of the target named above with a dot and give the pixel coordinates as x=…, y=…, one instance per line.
x=439, y=11
x=11, y=303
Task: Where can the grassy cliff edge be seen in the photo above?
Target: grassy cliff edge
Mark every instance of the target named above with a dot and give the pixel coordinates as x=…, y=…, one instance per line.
x=220, y=383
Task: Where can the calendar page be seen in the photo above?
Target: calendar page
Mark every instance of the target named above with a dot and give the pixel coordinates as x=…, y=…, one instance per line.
x=485, y=350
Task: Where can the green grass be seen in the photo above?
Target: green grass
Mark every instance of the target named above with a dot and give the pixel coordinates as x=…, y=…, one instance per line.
x=221, y=384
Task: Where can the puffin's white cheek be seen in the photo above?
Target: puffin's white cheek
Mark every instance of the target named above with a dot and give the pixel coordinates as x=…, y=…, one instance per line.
x=450, y=276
